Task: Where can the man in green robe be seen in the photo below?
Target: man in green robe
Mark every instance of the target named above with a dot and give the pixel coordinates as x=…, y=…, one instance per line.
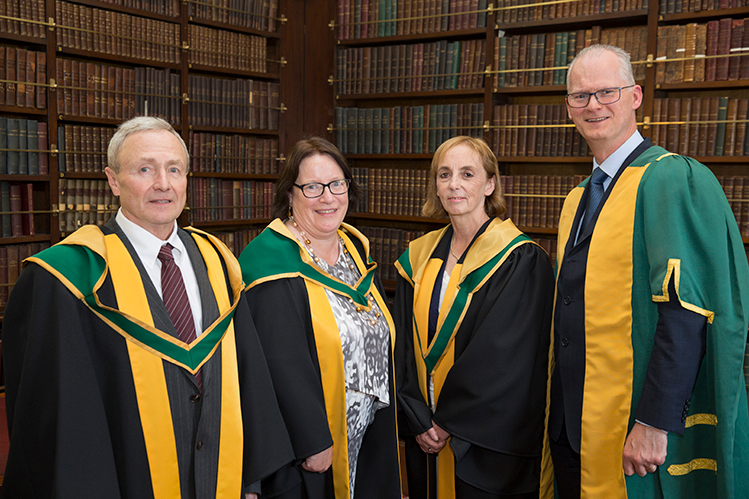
x=651, y=312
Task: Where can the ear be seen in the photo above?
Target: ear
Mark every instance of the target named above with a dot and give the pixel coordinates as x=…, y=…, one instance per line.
x=490, y=186
x=112, y=180
x=637, y=94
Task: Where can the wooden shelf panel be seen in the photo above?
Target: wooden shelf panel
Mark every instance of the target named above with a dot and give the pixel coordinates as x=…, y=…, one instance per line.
x=415, y=38
x=625, y=18
x=238, y=176
x=459, y=94
x=232, y=72
x=119, y=59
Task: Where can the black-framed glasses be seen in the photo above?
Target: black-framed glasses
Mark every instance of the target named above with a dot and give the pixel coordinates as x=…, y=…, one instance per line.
x=604, y=96
x=316, y=189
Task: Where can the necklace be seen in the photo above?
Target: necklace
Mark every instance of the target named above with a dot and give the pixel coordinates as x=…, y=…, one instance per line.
x=372, y=309
x=451, y=250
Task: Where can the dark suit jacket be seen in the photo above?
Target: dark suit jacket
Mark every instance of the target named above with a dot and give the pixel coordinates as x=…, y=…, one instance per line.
x=195, y=417
x=679, y=334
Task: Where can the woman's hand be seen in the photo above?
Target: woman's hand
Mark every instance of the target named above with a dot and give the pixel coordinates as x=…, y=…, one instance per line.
x=433, y=440
x=319, y=462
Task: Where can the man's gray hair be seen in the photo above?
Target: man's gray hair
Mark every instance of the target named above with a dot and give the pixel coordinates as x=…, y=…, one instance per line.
x=625, y=61
x=135, y=125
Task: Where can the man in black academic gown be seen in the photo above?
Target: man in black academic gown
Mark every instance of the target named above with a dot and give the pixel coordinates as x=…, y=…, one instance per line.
x=133, y=368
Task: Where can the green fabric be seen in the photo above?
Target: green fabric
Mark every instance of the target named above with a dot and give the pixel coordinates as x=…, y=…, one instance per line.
x=84, y=268
x=682, y=214
x=272, y=255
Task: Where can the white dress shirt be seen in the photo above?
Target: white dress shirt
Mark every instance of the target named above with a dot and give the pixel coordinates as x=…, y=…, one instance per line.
x=147, y=247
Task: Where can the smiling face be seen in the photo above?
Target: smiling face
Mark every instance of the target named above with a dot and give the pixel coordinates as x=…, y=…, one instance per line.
x=604, y=127
x=319, y=217
x=152, y=181
x=463, y=184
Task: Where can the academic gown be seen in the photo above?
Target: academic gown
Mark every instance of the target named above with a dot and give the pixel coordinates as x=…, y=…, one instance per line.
x=280, y=277
x=79, y=426
x=491, y=378
x=664, y=222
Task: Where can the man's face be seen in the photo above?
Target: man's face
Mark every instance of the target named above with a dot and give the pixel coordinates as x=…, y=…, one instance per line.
x=605, y=127
x=152, y=181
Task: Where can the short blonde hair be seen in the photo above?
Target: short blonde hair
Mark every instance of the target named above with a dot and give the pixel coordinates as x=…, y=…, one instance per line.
x=136, y=125
x=494, y=205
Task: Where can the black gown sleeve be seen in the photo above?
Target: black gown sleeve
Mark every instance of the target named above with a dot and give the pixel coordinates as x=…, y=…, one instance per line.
x=280, y=310
x=415, y=415
x=495, y=394
x=60, y=443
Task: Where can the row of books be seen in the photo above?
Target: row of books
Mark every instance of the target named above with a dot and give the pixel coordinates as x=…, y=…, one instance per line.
x=237, y=240
x=216, y=153
x=83, y=148
x=390, y=191
x=13, y=13
x=107, y=91
x=679, y=6
x=23, y=74
x=737, y=192
x=24, y=146
x=84, y=201
x=163, y=7
x=386, y=245
x=708, y=126
x=536, y=200
x=256, y=14
x=699, y=44
x=440, y=65
x=227, y=49
x=16, y=198
x=512, y=12
x=236, y=103
x=377, y=18
x=404, y=129
x=516, y=55
x=215, y=199
x=108, y=32
x=535, y=130
x=11, y=256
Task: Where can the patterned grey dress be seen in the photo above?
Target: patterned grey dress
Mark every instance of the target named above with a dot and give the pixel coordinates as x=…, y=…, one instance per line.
x=365, y=340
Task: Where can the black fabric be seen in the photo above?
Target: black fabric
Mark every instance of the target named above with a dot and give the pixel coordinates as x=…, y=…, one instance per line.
x=73, y=419
x=495, y=394
x=678, y=350
x=283, y=318
x=566, y=467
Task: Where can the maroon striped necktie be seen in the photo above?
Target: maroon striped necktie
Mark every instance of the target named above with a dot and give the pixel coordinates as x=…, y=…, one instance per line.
x=174, y=295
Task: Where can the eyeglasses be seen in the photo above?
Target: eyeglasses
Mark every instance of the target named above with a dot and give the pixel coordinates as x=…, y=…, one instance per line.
x=315, y=189
x=604, y=96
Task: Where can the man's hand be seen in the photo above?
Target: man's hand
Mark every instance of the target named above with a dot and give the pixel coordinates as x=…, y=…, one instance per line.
x=644, y=450
x=433, y=440
x=319, y=462
x=251, y=495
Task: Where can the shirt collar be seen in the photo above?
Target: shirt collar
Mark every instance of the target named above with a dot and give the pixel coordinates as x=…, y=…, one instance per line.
x=147, y=245
x=613, y=163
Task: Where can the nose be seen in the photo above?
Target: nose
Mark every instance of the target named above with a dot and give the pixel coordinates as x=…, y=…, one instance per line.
x=327, y=196
x=160, y=180
x=594, y=102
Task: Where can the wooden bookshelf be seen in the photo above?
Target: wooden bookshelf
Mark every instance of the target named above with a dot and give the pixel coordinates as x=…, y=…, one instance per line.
x=94, y=64
x=525, y=54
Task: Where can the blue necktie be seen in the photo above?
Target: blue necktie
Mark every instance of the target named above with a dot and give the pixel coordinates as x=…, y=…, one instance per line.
x=595, y=195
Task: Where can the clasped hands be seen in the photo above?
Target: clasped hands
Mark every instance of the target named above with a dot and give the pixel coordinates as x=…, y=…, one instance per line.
x=433, y=440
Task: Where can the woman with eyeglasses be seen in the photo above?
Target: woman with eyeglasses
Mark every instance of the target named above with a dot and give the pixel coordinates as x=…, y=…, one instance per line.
x=320, y=312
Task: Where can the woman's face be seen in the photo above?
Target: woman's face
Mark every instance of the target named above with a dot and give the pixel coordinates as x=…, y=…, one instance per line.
x=319, y=217
x=462, y=183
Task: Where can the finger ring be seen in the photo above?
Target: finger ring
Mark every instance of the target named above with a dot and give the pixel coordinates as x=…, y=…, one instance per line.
x=653, y=468
x=429, y=449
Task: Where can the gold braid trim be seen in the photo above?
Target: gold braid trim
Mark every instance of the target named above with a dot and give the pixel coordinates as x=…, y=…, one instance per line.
x=694, y=464
x=694, y=419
